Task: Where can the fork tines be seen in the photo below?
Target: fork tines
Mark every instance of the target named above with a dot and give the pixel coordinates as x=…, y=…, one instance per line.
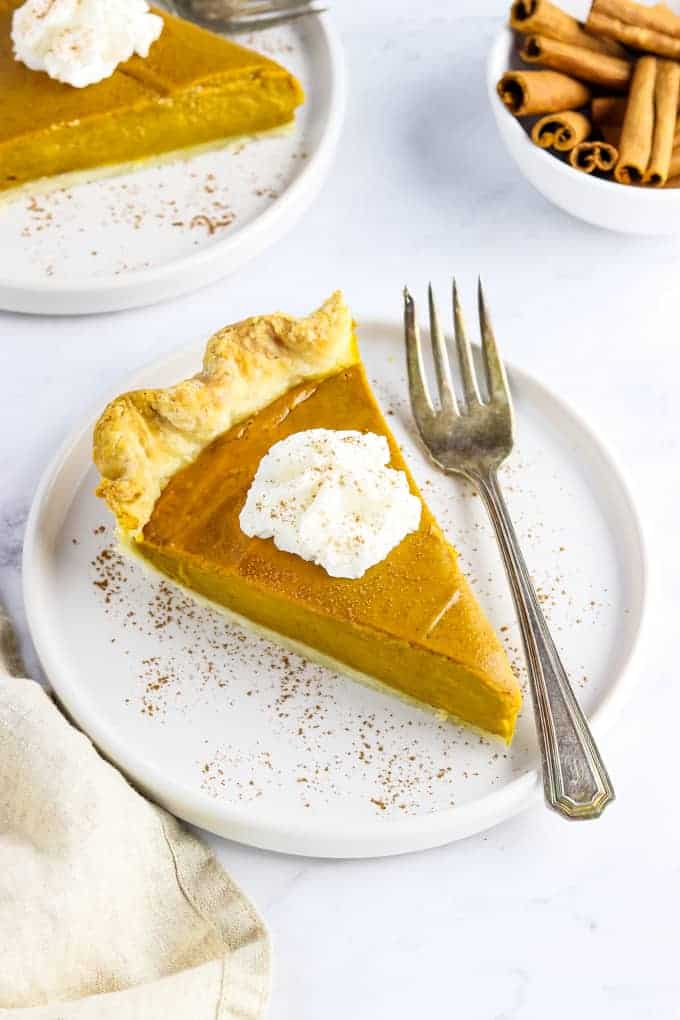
x=495, y=378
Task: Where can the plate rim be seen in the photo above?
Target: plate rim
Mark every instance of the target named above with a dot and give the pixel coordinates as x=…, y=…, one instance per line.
x=331, y=838
x=87, y=296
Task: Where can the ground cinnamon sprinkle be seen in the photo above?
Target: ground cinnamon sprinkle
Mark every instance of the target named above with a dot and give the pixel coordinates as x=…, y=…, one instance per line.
x=223, y=186
x=296, y=697
x=336, y=738
x=212, y=225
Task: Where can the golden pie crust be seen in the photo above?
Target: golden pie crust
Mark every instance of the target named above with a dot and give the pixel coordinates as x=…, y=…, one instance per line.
x=145, y=437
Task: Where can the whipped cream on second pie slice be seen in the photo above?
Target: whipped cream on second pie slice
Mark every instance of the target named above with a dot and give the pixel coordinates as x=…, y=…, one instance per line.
x=80, y=42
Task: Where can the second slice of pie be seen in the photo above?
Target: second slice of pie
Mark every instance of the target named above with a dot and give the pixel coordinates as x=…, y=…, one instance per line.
x=177, y=465
x=195, y=88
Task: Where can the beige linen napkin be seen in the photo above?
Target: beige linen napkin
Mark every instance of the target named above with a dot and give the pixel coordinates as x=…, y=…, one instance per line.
x=109, y=908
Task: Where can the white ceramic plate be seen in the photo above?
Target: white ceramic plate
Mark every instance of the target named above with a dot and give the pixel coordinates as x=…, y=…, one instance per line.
x=238, y=736
x=162, y=231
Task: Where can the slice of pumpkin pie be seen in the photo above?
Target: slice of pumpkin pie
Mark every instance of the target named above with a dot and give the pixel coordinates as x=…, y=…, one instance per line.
x=194, y=88
x=270, y=484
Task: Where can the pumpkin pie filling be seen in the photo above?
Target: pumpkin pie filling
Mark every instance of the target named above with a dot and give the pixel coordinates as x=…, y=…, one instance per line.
x=410, y=622
x=195, y=88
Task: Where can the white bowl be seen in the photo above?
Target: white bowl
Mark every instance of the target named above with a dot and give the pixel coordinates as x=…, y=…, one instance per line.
x=602, y=202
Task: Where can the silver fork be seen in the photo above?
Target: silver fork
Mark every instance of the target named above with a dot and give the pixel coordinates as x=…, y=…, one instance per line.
x=242, y=15
x=473, y=439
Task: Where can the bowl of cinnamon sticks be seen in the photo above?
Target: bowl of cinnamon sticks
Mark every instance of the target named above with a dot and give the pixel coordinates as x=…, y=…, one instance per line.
x=588, y=108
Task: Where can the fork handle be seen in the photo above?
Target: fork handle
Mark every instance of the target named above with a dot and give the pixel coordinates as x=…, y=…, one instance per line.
x=575, y=779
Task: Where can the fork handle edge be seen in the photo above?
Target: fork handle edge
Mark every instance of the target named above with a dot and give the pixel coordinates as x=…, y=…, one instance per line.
x=575, y=779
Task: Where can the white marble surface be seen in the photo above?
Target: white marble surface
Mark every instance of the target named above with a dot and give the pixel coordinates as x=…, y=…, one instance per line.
x=537, y=918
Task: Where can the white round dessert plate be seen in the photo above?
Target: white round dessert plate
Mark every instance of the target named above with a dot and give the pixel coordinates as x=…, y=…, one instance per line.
x=599, y=201
x=240, y=736
x=160, y=231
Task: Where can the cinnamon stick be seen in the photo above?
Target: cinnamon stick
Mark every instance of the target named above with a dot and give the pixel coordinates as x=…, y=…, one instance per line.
x=612, y=135
x=650, y=29
x=537, y=92
x=638, y=124
x=540, y=17
x=607, y=113
x=561, y=131
x=650, y=123
x=608, y=108
x=597, y=68
x=666, y=90
x=674, y=168
x=590, y=156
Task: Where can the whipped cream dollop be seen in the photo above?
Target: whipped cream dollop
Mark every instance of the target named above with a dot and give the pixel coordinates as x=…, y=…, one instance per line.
x=81, y=42
x=329, y=497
